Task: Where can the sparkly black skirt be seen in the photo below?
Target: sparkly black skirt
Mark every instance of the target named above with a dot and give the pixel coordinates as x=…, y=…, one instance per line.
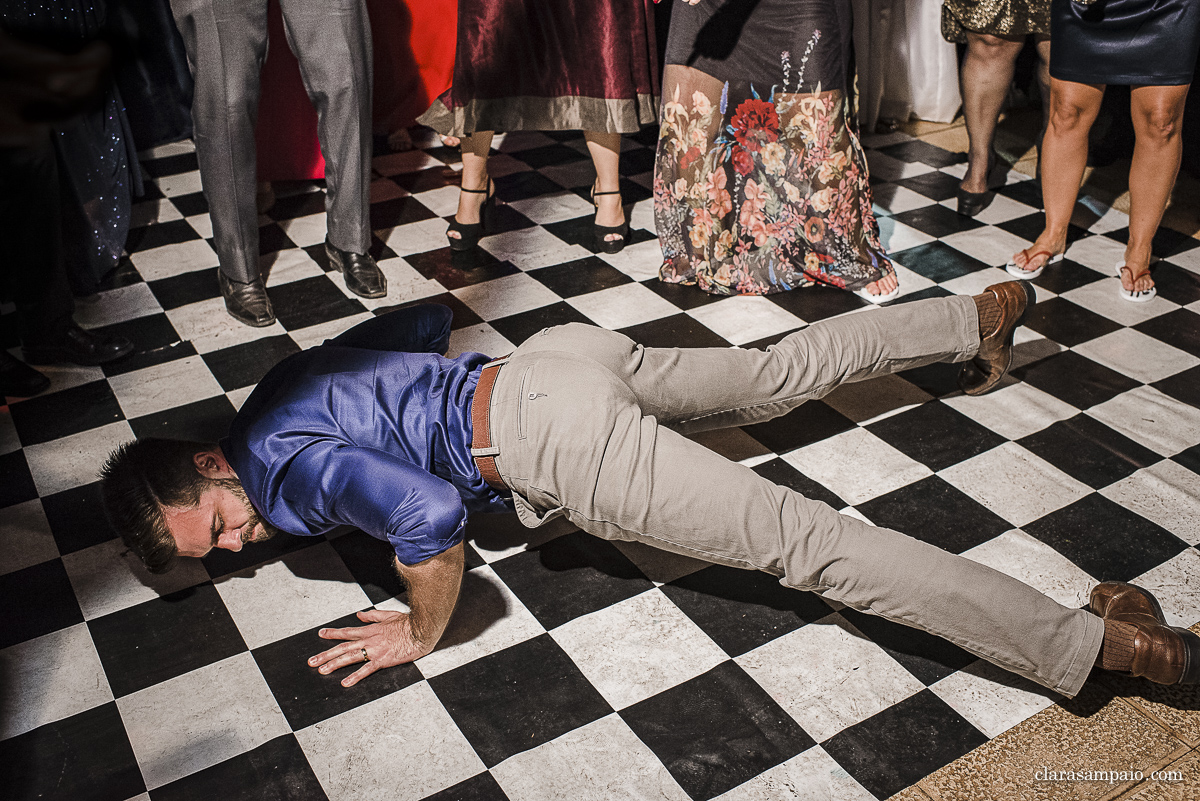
x=1137, y=42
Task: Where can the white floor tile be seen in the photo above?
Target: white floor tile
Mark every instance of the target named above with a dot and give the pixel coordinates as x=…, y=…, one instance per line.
x=661, y=567
x=480, y=338
x=893, y=198
x=1013, y=411
x=1102, y=297
x=640, y=262
x=164, y=386
x=25, y=537
x=407, y=161
x=1161, y=423
x=209, y=327
x=895, y=236
x=638, y=648
x=1137, y=355
x=976, y=282
x=886, y=168
x=1176, y=585
x=289, y=265
x=442, y=201
x=552, y=208
x=202, y=224
x=1033, y=562
x=623, y=306
x=502, y=297
x=170, y=149
x=306, y=231
x=1166, y=493
x=530, y=248
x=314, y=335
x=50, y=678
x=602, y=761
x=1098, y=252
x=992, y=699
x=746, y=318
x=828, y=676
x=1000, y=210
x=108, y=577
x=1014, y=483
x=418, y=237
x=297, y=592
x=403, y=745
x=993, y=246
x=116, y=306
x=487, y=619
x=810, y=776
x=172, y=260
x=857, y=465
x=184, y=183
x=217, y=712
x=75, y=460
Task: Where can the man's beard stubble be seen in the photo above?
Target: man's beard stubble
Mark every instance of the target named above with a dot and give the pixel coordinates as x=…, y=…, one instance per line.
x=255, y=519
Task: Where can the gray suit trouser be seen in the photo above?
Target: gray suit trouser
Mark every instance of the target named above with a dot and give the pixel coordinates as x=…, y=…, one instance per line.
x=226, y=42
x=589, y=425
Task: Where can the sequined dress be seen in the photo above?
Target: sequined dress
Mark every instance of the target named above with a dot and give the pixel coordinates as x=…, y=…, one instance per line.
x=997, y=17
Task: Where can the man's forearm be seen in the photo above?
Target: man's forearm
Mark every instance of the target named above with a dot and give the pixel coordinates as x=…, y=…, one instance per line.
x=432, y=592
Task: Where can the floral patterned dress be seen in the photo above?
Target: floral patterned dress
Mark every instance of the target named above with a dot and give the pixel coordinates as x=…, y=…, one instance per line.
x=759, y=185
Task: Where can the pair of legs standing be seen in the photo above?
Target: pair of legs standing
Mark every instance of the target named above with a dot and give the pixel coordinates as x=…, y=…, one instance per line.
x=1157, y=117
x=604, y=148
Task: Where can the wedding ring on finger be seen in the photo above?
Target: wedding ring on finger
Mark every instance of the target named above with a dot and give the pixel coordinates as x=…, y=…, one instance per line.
x=363, y=651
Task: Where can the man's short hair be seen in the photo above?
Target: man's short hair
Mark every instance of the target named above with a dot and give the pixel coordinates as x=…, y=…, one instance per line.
x=138, y=481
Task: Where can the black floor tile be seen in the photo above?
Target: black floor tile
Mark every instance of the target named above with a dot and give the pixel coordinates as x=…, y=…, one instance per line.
x=246, y=364
x=937, y=261
x=220, y=562
x=306, y=696
x=301, y=204
x=309, y=301
x=37, y=600
x=399, y=211
x=938, y=379
x=937, y=220
x=1066, y=323
x=170, y=165
x=817, y=302
x=1167, y=242
x=277, y=769
x=160, y=639
x=481, y=787
x=1030, y=227
x=517, y=699
x=1189, y=458
x=525, y=185
x=550, y=155
x=935, y=435
x=1089, y=451
x=581, y=231
x=684, y=296
x=1179, y=329
x=918, y=151
x=743, y=609
x=676, y=331
x=191, y=204
x=517, y=328
x=1183, y=386
x=155, y=342
x=454, y=270
x=716, y=731
x=811, y=422
x=371, y=562
x=159, y=235
x=16, y=483
x=124, y=274
x=1027, y=192
x=1075, y=379
x=272, y=239
x=570, y=576
x=933, y=185
x=904, y=743
x=1176, y=284
x=202, y=421
x=938, y=513
x=427, y=179
x=69, y=411
x=924, y=655
x=180, y=290
x=580, y=277
x=777, y=471
x=77, y=518
x=635, y=162
x=1095, y=533
x=84, y=757
x=1065, y=276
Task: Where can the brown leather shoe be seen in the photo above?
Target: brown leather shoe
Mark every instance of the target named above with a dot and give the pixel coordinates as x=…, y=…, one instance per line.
x=1161, y=653
x=991, y=363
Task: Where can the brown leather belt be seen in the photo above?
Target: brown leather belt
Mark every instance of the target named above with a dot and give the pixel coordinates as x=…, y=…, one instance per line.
x=482, y=449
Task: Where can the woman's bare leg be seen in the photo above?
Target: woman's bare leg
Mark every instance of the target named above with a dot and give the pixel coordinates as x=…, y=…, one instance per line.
x=475, y=150
x=605, y=149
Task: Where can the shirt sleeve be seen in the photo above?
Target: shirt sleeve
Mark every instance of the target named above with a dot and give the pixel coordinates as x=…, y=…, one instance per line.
x=332, y=483
x=424, y=328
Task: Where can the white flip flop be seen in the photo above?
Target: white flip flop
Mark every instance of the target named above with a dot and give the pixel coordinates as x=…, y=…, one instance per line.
x=1134, y=295
x=1029, y=275
x=877, y=299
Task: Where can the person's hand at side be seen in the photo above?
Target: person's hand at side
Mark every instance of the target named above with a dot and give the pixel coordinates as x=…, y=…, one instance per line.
x=394, y=638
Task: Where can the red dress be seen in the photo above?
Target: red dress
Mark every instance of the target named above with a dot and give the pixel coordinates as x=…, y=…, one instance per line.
x=413, y=44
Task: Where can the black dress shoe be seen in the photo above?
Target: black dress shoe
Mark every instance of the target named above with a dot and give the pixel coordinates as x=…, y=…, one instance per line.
x=18, y=379
x=246, y=302
x=363, y=276
x=75, y=345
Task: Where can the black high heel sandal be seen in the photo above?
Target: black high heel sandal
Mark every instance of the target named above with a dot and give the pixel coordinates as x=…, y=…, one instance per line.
x=470, y=233
x=602, y=232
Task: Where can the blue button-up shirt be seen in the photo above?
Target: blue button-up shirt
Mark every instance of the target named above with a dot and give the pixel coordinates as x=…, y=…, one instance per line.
x=371, y=429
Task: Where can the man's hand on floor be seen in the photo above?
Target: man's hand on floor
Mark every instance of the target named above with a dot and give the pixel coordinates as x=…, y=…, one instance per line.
x=388, y=640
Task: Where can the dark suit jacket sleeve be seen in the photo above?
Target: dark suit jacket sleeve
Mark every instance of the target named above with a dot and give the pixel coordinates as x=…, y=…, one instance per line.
x=416, y=329
x=331, y=483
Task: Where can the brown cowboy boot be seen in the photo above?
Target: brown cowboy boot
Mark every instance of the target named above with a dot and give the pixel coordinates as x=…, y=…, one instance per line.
x=1002, y=307
x=1158, y=652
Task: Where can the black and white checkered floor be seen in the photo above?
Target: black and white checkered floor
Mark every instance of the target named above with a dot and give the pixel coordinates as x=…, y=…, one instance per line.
x=575, y=668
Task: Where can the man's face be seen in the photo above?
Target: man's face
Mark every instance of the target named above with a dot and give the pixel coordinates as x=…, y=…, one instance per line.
x=224, y=518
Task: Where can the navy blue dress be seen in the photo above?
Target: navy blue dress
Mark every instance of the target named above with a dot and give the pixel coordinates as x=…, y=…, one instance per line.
x=1136, y=42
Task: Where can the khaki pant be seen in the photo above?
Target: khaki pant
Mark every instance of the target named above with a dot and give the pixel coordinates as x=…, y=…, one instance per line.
x=588, y=426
